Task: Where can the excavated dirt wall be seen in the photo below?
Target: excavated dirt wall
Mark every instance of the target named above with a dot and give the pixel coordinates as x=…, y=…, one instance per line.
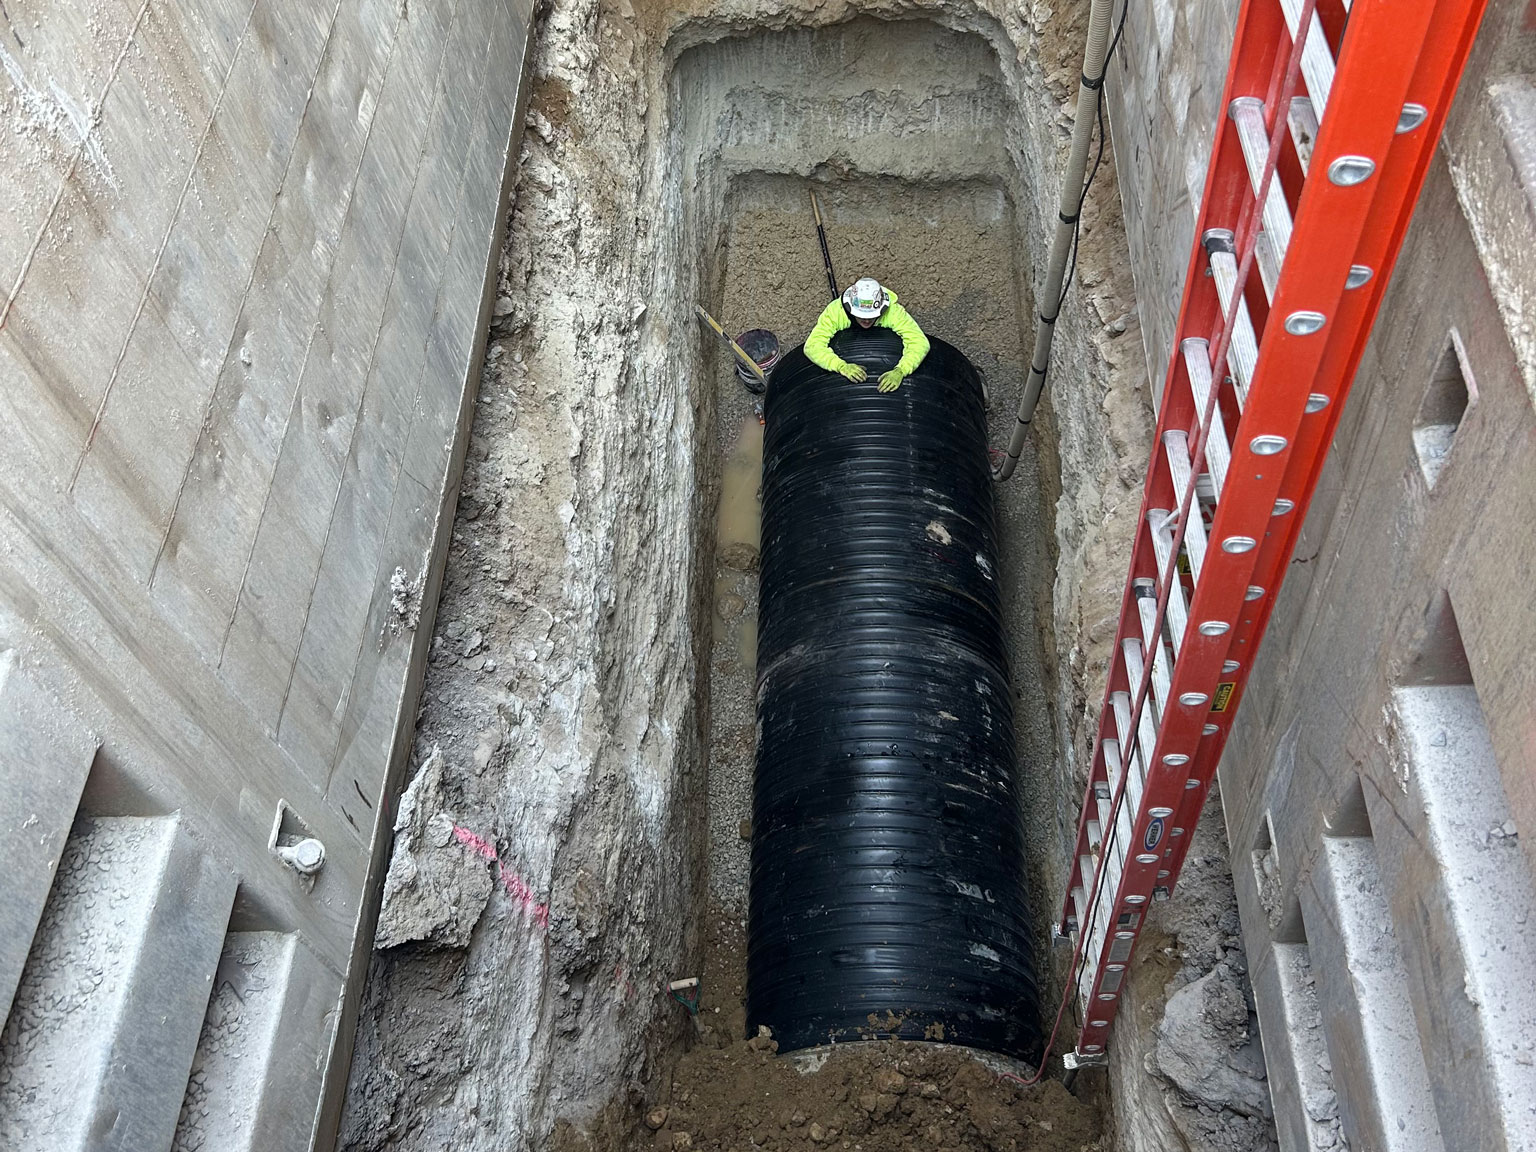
x=568, y=844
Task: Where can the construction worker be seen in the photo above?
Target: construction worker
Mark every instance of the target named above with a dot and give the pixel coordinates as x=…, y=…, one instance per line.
x=867, y=304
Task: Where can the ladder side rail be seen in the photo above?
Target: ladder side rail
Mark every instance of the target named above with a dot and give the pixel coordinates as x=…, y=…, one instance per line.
x=1261, y=22
x=1447, y=44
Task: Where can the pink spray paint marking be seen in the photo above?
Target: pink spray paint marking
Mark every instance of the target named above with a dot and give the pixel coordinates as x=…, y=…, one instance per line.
x=516, y=886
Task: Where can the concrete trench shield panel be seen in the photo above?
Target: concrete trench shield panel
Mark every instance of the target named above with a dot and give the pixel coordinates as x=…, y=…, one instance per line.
x=231, y=280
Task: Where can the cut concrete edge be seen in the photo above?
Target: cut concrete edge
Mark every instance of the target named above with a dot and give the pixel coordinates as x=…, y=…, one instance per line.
x=1378, y=1065
x=45, y=757
x=256, y=1087
x=339, y=1063
x=1295, y=1054
x=301, y=1038
x=1446, y=802
x=60, y=1042
x=166, y=999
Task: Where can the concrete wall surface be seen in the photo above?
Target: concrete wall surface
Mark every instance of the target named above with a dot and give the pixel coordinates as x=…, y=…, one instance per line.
x=244, y=258
x=1379, y=785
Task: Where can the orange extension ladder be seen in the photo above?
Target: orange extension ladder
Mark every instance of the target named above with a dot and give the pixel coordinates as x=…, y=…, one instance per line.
x=1313, y=177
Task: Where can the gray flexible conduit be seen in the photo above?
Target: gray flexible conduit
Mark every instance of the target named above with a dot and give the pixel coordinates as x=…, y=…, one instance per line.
x=1068, y=208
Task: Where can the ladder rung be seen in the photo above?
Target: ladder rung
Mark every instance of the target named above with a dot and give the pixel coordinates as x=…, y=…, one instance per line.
x=1133, y=658
x=1146, y=726
x=1122, y=821
x=1316, y=56
x=1303, y=121
x=1089, y=869
x=1147, y=606
x=1177, y=446
x=1097, y=933
x=1135, y=772
x=1243, y=348
x=1162, y=546
x=1091, y=950
x=1248, y=115
x=1218, y=453
x=1110, y=867
x=1269, y=265
x=1106, y=898
x=1117, y=842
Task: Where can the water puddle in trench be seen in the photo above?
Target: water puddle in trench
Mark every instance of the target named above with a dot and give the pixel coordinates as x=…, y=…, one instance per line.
x=740, y=519
x=738, y=536
x=733, y=656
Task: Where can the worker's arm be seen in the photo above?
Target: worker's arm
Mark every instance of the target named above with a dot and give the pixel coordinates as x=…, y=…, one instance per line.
x=817, y=349
x=914, y=345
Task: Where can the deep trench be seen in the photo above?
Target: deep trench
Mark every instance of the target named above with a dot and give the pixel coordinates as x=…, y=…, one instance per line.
x=909, y=134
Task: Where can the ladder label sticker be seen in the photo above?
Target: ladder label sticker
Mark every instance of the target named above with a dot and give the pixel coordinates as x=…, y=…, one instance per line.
x=1154, y=834
x=1223, y=695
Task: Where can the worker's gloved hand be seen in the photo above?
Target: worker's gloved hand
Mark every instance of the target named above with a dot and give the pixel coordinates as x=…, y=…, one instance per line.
x=891, y=380
x=853, y=372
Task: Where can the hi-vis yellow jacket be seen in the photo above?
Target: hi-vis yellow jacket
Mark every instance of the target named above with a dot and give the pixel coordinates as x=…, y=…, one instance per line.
x=834, y=318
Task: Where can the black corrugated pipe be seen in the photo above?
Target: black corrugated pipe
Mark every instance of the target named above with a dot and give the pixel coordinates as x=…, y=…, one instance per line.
x=887, y=892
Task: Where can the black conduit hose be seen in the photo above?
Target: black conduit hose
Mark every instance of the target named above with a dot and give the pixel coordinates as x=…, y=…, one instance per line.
x=887, y=894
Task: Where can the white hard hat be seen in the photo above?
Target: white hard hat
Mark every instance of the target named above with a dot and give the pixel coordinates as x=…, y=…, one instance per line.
x=866, y=299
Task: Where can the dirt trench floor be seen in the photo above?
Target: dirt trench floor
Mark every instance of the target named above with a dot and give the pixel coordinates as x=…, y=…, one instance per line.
x=737, y=1095
x=950, y=252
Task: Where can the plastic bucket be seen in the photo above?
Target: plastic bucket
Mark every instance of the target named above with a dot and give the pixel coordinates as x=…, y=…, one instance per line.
x=763, y=346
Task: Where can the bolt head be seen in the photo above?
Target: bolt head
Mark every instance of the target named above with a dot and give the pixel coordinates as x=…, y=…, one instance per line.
x=308, y=855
